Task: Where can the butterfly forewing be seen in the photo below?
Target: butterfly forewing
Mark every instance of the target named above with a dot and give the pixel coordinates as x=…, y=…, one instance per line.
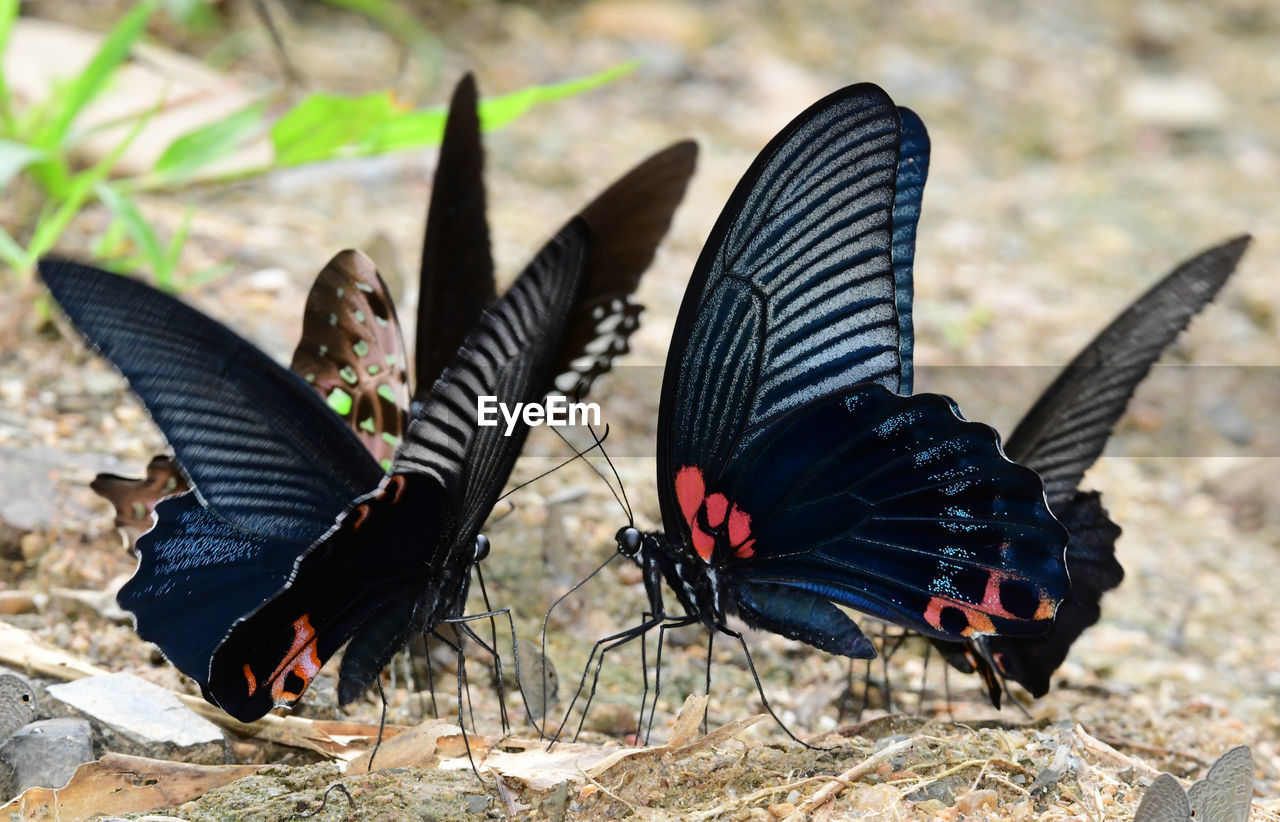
x=1067, y=428
x=913, y=169
x=1226, y=792
x=1164, y=801
x=457, y=270
x=218, y=398
x=793, y=295
x=627, y=221
x=352, y=353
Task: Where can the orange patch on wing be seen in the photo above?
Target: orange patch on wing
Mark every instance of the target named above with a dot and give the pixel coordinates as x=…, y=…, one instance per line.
x=301, y=660
x=250, y=678
x=746, y=550
x=396, y=486
x=359, y=515
x=978, y=622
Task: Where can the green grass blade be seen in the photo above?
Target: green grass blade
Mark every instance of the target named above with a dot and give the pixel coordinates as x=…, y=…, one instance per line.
x=207, y=145
x=90, y=82
x=135, y=225
x=14, y=157
x=496, y=112
x=13, y=254
x=8, y=13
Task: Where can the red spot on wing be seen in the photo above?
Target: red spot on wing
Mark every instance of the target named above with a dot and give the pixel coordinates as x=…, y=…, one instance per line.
x=978, y=622
x=717, y=506
x=690, y=491
x=739, y=526
x=702, y=543
x=359, y=515
x=746, y=550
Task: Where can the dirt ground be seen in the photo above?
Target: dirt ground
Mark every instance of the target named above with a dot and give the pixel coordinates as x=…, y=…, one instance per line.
x=1079, y=152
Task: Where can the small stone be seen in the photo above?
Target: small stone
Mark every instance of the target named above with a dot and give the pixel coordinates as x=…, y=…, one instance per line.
x=139, y=718
x=782, y=810
x=17, y=703
x=45, y=754
x=20, y=602
x=33, y=546
x=1176, y=102
x=974, y=801
x=878, y=798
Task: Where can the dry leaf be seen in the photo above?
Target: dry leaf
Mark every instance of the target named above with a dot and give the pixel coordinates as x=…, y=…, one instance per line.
x=414, y=748
x=117, y=784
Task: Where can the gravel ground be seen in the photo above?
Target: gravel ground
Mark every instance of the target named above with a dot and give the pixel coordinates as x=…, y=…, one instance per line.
x=1079, y=152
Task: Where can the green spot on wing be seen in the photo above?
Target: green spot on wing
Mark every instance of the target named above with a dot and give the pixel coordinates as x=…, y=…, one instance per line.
x=361, y=348
x=373, y=370
x=349, y=374
x=310, y=377
x=340, y=291
x=386, y=466
x=381, y=321
x=340, y=401
x=391, y=359
x=333, y=319
x=386, y=393
x=390, y=439
x=359, y=316
x=366, y=288
x=367, y=425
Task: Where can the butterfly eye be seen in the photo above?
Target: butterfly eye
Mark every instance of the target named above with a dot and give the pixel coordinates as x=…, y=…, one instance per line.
x=482, y=547
x=629, y=540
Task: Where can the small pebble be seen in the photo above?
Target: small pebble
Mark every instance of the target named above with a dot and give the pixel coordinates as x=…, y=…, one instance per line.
x=975, y=801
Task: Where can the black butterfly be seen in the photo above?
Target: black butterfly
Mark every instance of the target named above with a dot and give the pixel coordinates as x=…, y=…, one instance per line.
x=791, y=478
x=1062, y=435
x=294, y=539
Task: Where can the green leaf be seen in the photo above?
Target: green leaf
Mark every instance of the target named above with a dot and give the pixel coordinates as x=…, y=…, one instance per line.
x=13, y=254
x=496, y=112
x=8, y=13
x=325, y=126
x=135, y=225
x=209, y=144
x=115, y=48
x=14, y=157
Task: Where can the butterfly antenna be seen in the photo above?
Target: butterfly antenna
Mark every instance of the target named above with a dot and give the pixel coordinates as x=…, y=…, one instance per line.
x=624, y=502
x=599, y=444
x=577, y=454
x=382, y=723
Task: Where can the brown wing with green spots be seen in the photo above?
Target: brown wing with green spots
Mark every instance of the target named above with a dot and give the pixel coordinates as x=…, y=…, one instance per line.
x=351, y=352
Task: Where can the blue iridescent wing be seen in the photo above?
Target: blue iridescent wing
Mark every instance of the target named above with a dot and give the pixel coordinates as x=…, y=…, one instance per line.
x=260, y=446
x=895, y=506
x=793, y=296
x=913, y=170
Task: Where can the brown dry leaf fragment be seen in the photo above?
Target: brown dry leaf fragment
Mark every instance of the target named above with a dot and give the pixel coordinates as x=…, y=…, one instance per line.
x=414, y=748
x=117, y=784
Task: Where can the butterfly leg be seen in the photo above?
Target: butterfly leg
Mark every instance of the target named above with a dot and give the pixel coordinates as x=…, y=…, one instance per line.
x=462, y=687
x=492, y=650
x=598, y=650
x=669, y=623
x=727, y=631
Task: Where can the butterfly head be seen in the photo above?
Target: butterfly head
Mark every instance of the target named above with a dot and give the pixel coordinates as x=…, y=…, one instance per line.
x=630, y=540
x=482, y=547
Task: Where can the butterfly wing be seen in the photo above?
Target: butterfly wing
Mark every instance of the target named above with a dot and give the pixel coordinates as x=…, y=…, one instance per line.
x=1164, y=801
x=913, y=169
x=1065, y=432
x=454, y=470
x=262, y=449
x=135, y=499
x=627, y=221
x=1067, y=428
x=352, y=353
x=895, y=506
x=456, y=282
x=1226, y=792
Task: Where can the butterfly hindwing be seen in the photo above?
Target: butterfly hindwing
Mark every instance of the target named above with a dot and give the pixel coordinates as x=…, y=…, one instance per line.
x=627, y=221
x=196, y=574
x=895, y=506
x=351, y=352
x=217, y=398
x=1164, y=801
x=1226, y=792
